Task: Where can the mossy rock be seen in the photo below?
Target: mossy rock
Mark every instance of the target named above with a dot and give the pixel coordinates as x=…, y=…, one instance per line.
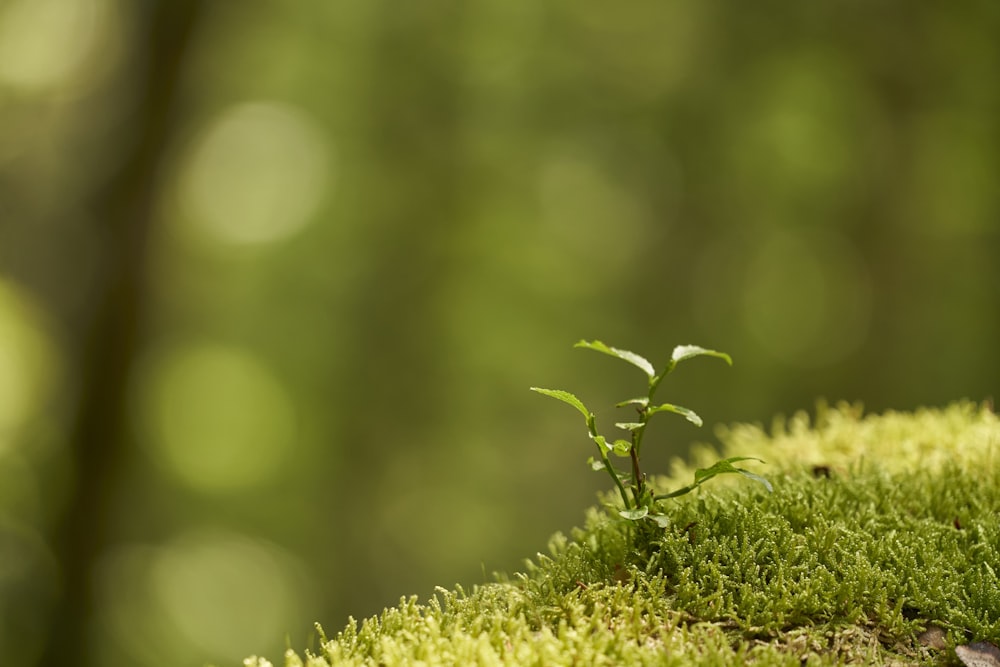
x=879, y=545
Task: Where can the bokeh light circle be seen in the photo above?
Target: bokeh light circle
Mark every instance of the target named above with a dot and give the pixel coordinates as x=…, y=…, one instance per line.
x=26, y=359
x=207, y=594
x=255, y=176
x=223, y=592
x=45, y=44
x=215, y=417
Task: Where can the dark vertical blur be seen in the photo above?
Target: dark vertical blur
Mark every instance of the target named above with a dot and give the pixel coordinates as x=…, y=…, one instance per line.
x=106, y=341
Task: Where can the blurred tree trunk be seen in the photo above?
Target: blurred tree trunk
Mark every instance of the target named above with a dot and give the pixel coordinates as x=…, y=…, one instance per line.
x=106, y=346
x=413, y=189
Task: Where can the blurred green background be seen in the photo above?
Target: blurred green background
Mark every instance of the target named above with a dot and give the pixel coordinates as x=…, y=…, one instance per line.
x=275, y=279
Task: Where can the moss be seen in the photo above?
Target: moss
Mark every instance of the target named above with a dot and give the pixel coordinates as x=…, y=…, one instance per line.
x=879, y=527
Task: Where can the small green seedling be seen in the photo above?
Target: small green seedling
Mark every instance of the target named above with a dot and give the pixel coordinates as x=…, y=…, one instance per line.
x=639, y=499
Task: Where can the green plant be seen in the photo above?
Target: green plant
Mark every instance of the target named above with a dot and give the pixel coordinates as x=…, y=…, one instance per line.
x=639, y=499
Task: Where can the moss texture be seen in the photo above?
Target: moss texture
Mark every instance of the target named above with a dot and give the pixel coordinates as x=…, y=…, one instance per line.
x=879, y=545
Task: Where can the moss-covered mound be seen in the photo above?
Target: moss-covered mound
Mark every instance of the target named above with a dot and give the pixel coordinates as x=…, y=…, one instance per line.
x=879, y=545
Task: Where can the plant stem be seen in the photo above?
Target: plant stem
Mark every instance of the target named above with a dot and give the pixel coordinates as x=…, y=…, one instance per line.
x=637, y=480
x=618, y=482
x=592, y=427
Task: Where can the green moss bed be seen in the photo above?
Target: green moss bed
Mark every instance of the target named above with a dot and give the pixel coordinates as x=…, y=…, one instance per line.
x=879, y=545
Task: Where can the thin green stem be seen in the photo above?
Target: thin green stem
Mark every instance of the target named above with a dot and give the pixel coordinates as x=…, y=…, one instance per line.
x=637, y=433
x=592, y=427
x=654, y=382
x=637, y=478
x=618, y=482
x=637, y=481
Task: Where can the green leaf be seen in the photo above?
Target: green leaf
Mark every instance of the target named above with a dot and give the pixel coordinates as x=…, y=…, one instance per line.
x=630, y=426
x=566, y=397
x=719, y=467
x=662, y=520
x=624, y=355
x=690, y=415
x=634, y=514
x=735, y=459
x=757, y=478
x=642, y=401
x=722, y=467
x=621, y=447
x=682, y=352
x=595, y=464
x=725, y=466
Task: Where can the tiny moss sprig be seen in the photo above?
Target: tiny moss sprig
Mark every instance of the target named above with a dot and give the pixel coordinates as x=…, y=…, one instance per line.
x=639, y=500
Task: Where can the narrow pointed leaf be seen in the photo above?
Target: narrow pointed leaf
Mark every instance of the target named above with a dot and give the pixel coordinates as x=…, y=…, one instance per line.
x=702, y=475
x=690, y=415
x=717, y=468
x=641, y=401
x=736, y=459
x=565, y=397
x=757, y=478
x=726, y=466
x=631, y=357
x=630, y=426
x=682, y=352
